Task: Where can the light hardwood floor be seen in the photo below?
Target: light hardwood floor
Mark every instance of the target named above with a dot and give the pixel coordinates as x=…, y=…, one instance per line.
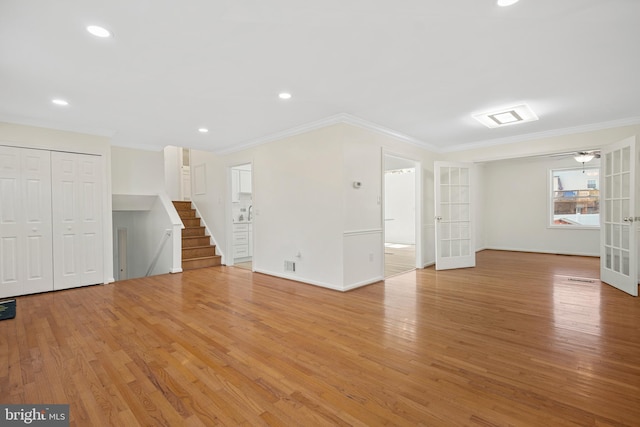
x=513, y=341
x=398, y=259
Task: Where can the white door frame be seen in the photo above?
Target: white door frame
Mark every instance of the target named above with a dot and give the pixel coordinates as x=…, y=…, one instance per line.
x=418, y=201
x=185, y=175
x=229, y=259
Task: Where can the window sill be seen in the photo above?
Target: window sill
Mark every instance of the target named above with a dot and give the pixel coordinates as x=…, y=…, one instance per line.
x=574, y=227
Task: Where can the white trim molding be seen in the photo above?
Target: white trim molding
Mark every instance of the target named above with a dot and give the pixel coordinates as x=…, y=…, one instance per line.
x=325, y=122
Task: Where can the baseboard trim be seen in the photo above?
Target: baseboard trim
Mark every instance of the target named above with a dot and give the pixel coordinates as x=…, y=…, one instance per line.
x=363, y=283
x=542, y=252
x=299, y=279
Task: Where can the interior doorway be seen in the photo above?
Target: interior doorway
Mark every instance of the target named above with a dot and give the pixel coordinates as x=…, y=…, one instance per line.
x=401, y=184
x=185, y=174
x=241, y=242
x=123, y=269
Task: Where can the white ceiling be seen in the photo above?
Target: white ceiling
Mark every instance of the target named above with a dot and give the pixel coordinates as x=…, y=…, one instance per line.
x=417, y=68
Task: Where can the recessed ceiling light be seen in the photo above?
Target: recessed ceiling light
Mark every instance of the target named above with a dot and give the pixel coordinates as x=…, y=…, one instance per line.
x=284, y=95
x=504, y=3
x=203, y=130
x=507, y=116
x=99, y=31
x=59, y=101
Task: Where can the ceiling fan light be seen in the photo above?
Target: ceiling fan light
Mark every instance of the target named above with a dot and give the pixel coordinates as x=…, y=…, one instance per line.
x=583, y=157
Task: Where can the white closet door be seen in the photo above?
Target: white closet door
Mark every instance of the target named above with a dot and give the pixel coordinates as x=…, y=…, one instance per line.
x=25, y=222
x=77, y=220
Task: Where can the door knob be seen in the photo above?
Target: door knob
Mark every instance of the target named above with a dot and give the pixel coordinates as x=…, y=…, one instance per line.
x=438, y=218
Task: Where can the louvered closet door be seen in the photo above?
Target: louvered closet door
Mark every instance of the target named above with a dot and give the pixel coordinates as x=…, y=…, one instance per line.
x=77, y=220
x=25, y=222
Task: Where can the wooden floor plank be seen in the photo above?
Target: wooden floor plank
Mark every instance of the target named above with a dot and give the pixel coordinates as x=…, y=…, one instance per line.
x=521, y=339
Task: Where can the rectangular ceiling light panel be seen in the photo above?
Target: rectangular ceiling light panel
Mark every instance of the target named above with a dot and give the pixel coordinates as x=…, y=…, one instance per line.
x=508, y=116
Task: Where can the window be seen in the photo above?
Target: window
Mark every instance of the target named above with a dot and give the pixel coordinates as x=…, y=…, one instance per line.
x=575, y=197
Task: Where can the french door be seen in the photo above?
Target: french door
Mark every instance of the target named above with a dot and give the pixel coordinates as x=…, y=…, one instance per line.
x=619, y=239
x=455, y=246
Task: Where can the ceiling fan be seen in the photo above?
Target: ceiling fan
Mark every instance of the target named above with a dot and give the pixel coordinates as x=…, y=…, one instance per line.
x=583, y=157
x=586, y=156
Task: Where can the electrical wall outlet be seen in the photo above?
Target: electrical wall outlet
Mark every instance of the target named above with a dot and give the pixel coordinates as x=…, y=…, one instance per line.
x=290, y=266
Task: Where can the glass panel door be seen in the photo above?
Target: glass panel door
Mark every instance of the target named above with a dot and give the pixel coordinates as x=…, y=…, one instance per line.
x=618, y=260
x=454, y=237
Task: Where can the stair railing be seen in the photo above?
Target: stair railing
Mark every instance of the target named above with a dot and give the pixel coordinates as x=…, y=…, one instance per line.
x=167, y=234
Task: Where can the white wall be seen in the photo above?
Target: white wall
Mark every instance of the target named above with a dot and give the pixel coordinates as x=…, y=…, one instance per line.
x=173, y=172
x=516, y=209
x=366, y=150
x=478, y=197
x=137, y=171
x=363, y=256
x=298, y=202
x=304, y=202
x=138, y=181
x=520, y=228
x=49, y=139
x=145, y=232
x=296, y=181
x=211, y=196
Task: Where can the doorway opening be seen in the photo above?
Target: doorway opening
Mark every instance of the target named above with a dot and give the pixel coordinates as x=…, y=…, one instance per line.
x=401, y=184
x=185, y=174
x=123, y=272
x=242, y=216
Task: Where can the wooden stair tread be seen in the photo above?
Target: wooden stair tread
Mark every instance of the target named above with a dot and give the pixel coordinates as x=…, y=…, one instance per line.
x=202, y=257
x=195, y=229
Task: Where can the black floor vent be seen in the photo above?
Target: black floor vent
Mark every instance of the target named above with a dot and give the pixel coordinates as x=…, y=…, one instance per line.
x=7, y=309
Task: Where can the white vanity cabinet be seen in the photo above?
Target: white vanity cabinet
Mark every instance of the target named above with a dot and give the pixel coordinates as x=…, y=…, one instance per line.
x=241, y=240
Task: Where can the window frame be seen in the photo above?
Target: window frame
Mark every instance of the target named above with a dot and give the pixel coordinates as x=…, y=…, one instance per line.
x=551, y=205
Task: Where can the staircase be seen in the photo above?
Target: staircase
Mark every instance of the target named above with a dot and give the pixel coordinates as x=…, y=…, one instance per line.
x=197, y=250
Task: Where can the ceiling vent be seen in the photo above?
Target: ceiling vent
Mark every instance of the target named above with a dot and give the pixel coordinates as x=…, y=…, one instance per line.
x=507, y=116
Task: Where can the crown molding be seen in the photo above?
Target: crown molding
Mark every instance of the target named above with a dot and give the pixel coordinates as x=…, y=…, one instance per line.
x=631, y=121
x=327, y=121
x=46, y=124
x=357, y=121
x=307, y=127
